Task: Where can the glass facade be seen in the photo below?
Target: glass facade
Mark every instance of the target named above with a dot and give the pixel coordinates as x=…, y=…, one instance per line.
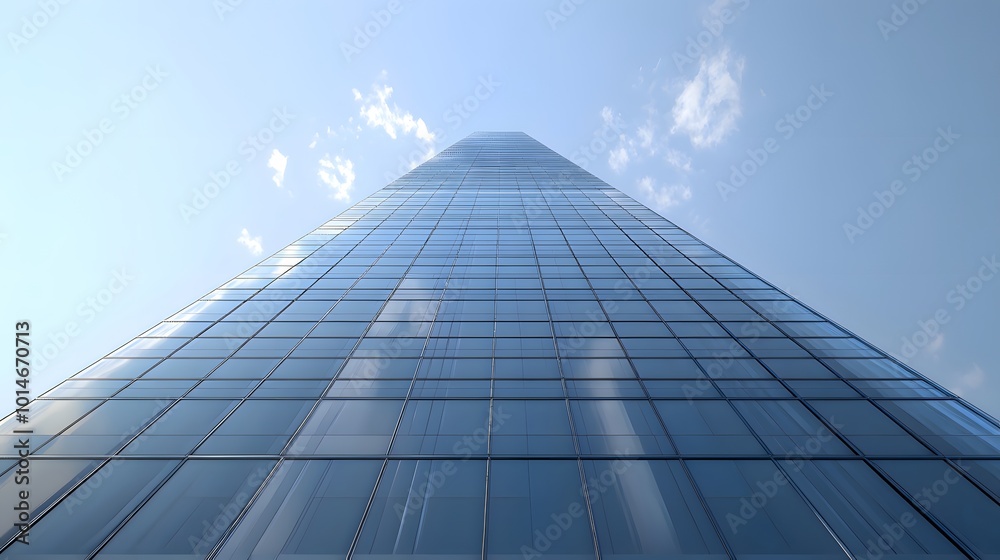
x=500, y=356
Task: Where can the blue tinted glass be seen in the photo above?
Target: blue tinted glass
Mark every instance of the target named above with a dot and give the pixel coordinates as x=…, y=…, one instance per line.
x=648, y=509
x=606, y=427
x=180, y=428
x=707, y=427
x=428, y=509
x=531, y=498
x=256, y=427
x=788, y=428
x=348, y=427
x=948, y=426
x=442, y=427
x=537, y=427
x=189, y=514
x=949, y=497
x=88, y=515
x=760, y=513
x=307, y=508
x=868, y=428
x=866, y=513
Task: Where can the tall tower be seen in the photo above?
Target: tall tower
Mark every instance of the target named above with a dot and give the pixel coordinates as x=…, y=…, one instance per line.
x=499, y=356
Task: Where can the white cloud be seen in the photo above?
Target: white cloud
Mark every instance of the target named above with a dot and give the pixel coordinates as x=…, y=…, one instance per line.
x=936, y=344
x=315, y=139
x=679, y=159
x=709, y=105
x=378, y=114
x=645, y=135
x=253, y=244
x=278, y=162
x=618, y=158
x=338, y=174
x=663, y=197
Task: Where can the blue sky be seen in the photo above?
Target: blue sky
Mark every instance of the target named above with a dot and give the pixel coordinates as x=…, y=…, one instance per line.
x=842, y=150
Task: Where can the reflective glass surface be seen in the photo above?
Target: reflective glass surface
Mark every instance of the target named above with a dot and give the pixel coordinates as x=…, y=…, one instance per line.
x=498, y=355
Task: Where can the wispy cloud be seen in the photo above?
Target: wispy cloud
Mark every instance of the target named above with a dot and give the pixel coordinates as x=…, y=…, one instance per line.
x=679, y=160
x=338, y=174
x=253, y=244
x=619, y=155
x=663, y=197
x=709, y=104
x=378, y=113
x=645, y=135
x=935, y=345
x=278, y=162
x=618, y=158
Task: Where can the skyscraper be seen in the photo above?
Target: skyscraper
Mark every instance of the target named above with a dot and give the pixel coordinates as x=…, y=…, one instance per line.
x=498, y=355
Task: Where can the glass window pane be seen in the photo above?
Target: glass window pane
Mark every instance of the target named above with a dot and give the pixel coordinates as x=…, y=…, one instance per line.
x=527, y=388
x=760, y=513
x=49, y=480
x=308, y=509
x=361, y=388
x=537, y=509
x=106, y=429
x=648, y=509
x=180, y=429
x=952, y=499
x=191, y=512
x=867, y=514
x=949, y=426
x=605, y=427
x=707, y=427
x=868, y=428
x=47, y=419
x=442, y=427
x=86, y=517
x=256, y=427
x=528, y=368
x=788, y=428
x=348, y=427
x=597, y=368
x=537, y=427
x=426, y=509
